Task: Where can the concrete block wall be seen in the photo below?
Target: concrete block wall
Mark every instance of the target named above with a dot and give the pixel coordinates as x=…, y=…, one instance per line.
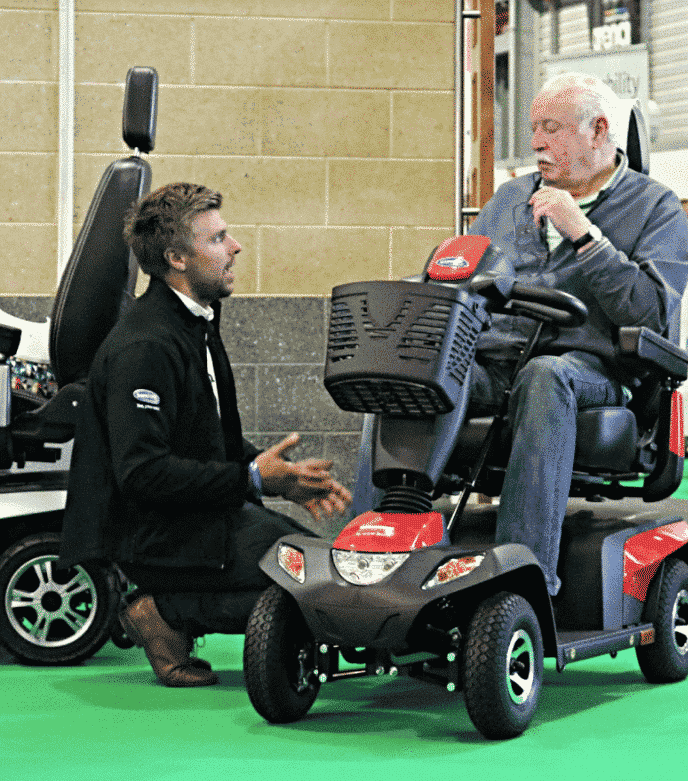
x=326, y=124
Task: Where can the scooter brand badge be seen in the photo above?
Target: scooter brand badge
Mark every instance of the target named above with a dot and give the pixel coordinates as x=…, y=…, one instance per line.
x=457, y=258
x=453, y=263
x=377, y=529
x=147, y=399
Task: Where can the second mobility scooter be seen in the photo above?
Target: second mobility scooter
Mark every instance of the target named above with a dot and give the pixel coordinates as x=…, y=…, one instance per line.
x=50, y=615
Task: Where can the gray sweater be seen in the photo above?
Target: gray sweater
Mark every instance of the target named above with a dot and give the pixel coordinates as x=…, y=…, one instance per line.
x=635, y=276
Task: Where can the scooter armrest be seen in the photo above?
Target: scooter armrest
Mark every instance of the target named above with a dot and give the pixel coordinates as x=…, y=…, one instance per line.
x=654, y=351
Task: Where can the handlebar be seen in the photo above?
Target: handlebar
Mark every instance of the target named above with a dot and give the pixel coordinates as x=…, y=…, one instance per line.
x=554, y=306
x=541, y=303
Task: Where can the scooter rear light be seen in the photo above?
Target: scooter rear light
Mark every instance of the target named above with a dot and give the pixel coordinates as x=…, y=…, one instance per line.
x=292, y=562
x=452, y=570
x=366, y=569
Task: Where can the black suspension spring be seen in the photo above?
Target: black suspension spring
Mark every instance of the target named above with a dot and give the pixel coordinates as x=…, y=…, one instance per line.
x=405, y=499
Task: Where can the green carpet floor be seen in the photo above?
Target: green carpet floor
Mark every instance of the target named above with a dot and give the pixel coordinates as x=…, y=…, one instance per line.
x=109, y=719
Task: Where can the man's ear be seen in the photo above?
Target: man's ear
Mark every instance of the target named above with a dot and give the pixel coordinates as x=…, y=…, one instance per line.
x=176, y=261
x=601, y=131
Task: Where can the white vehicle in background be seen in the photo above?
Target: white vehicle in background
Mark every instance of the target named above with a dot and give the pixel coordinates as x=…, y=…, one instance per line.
x=48, y=615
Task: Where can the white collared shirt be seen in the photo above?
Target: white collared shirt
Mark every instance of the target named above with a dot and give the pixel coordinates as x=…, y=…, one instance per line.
x=203, y=311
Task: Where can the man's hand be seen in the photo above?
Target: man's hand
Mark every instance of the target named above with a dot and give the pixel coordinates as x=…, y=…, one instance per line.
x=336, y=500
x=307, y=483
x=559, y=207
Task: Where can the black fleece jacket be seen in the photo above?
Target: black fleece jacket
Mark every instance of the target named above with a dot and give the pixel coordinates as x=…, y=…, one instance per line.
x=155, y=474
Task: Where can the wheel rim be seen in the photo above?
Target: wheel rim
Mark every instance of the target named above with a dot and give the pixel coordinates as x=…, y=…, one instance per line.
x=680, y=622
x=50, y=607
x=520, y=667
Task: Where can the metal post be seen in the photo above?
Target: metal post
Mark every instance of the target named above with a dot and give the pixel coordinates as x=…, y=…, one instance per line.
x=460, y=16
x=65, y=194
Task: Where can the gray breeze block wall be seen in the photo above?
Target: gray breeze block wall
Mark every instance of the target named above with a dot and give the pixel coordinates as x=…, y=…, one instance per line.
x=277, y=349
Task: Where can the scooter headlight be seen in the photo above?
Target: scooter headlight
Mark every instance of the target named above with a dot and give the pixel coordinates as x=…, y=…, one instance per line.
x=365, y=569
x=453, y=569
x=292, y=562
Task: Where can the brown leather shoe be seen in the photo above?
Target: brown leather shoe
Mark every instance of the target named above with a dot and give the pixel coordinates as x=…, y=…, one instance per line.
x=166, y=648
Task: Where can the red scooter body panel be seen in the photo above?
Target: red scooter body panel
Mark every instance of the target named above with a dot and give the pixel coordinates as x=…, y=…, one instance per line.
x=377, y=532
x=644, y=552
x=457, y=258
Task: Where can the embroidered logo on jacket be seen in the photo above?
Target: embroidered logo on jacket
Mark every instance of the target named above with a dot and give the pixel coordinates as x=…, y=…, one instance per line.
x=147, y=399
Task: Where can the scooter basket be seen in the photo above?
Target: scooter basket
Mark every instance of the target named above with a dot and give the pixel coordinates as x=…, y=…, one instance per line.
x=400, y=348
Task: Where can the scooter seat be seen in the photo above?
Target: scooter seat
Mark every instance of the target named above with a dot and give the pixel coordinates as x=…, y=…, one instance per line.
x=607, y=440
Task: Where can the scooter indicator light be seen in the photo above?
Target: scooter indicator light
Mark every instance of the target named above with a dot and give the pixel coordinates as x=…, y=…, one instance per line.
x=452, y=570
x=292, y=562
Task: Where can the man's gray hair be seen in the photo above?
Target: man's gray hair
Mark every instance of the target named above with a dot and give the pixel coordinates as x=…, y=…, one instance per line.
x=593, y=98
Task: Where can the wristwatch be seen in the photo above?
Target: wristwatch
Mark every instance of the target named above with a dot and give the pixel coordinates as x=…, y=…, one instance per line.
x=594, y=234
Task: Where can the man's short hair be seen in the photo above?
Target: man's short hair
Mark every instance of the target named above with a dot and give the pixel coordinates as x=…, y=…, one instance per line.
x=162, y=220
x=593, y=98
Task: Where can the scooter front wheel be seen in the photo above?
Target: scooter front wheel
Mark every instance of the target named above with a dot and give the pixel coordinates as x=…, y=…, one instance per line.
x=503, y=666
x=279, y=659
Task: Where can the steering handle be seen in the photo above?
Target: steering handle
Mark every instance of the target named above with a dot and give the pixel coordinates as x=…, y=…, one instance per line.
x=545, y=303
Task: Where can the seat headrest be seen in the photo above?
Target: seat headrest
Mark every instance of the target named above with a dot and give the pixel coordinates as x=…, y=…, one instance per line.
x=140, y=109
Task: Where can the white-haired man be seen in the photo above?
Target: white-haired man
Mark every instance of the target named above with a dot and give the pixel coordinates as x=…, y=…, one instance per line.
x=588, y=225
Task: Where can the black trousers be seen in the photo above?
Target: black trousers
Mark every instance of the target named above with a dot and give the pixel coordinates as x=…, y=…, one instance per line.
x=204, y=600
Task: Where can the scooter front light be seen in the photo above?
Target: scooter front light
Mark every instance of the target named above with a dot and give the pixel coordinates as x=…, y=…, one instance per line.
x=292, y=562
x=365, y=569
x=453, y=569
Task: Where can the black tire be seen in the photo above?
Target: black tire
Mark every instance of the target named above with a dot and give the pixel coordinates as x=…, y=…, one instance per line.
x=666, y=660
x=279, y=654
x=53, y=616
x=503, y=666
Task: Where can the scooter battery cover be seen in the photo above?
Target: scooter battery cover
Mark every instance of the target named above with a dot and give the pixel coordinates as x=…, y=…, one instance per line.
x=400, y=348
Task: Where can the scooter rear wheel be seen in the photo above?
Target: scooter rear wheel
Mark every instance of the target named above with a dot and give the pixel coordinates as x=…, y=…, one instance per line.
x=53, y=616
x=666, y=660
x=279, y=654
x=503, y=666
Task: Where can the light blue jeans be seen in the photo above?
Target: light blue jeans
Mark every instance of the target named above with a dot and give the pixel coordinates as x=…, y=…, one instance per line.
x=545, y=400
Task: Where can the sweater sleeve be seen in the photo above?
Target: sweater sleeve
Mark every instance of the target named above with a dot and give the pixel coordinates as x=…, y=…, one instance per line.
x=645, y=287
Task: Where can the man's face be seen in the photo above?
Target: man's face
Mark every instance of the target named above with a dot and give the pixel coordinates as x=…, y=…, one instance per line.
x=564, y=150
x=209, y=264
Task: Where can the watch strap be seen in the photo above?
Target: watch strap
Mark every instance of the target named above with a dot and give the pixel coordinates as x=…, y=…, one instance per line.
x=584, y=239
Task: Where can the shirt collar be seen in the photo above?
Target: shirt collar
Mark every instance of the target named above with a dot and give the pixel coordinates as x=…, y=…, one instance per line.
x=194, y=307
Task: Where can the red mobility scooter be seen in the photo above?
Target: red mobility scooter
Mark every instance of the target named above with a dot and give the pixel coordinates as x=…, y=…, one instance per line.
x=407, y=590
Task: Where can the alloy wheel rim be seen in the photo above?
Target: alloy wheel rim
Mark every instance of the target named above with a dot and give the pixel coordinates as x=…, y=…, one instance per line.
x=680, y=622
x=50, y=607
x=520, y=667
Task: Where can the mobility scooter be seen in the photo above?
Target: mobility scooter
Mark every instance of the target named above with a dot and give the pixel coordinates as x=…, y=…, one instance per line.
x=403, y=589
x=50, y=615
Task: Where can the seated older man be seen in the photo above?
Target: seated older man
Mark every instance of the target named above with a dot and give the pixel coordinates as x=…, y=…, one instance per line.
x=586, y=224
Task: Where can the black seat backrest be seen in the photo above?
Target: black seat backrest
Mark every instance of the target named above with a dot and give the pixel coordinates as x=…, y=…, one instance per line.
x=100, y=276
x=638, y=141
